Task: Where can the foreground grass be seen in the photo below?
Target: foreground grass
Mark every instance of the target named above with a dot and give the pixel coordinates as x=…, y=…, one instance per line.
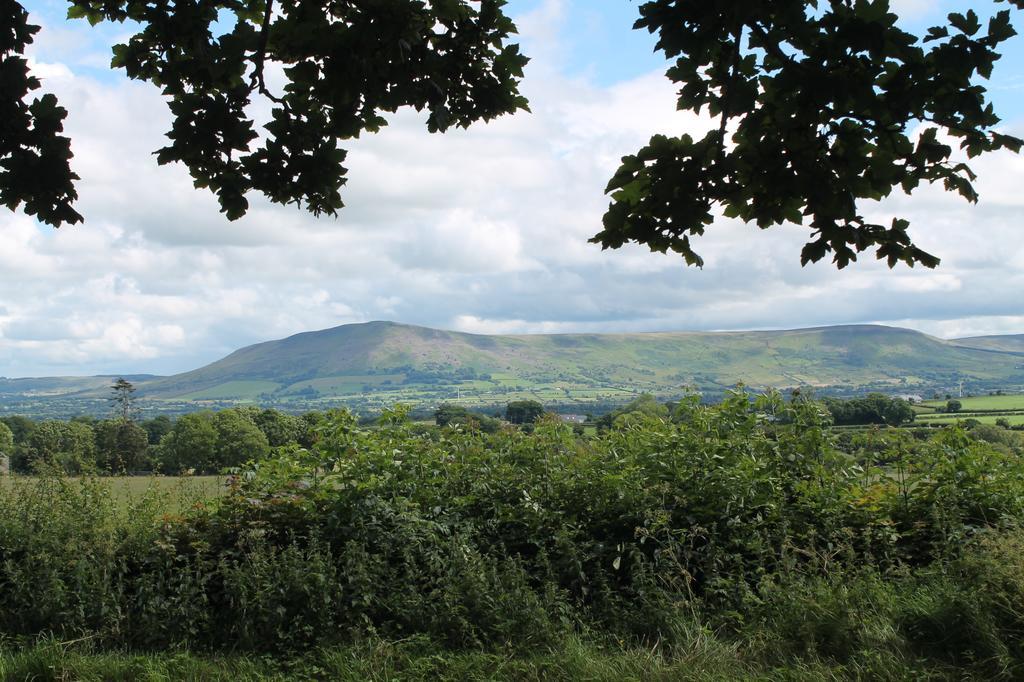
x=704, y=658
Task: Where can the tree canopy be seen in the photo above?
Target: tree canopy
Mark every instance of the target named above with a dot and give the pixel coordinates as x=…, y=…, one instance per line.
x=822, y=106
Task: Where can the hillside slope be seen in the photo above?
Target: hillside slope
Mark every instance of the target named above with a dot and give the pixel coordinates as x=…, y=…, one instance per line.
x=1010, y=343
x=409, y=362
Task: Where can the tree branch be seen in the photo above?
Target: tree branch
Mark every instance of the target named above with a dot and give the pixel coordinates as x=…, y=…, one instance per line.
x=260, y=57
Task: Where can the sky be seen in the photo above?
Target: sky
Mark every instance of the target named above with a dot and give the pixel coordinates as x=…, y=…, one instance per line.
x=483, y=230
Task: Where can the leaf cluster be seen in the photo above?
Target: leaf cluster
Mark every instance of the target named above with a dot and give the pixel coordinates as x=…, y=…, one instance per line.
x=823, y=106
x=35, y=157
x=329, y=70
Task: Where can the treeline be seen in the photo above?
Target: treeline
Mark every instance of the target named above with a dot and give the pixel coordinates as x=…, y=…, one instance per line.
x=873, y=408
x=209, y=442
x=200, y=442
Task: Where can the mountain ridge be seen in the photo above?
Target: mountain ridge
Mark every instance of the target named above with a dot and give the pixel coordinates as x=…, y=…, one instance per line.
x=415, y=362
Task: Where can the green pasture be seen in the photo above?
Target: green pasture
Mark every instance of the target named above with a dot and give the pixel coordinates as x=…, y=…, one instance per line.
x=1013, y=419
x=175, y=492
x=984, y=403
x=233, y=390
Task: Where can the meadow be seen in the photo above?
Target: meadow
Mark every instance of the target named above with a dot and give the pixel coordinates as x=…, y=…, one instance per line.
x=984, y=403
x=988, y=409
x=176, y=492
x=720, y=542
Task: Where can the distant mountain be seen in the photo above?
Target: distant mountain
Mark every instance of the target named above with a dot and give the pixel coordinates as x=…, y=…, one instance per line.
x=387, y=361
x=1010, y=343
x=64, y=386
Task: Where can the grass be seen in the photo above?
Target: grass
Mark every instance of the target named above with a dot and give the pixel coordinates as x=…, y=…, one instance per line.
x=1013, y=419
x=234, y=390
x=704, y=657
x=177, y=492
x=984, y=403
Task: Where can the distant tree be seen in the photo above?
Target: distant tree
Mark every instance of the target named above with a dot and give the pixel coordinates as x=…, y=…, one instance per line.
x=645, y=404
x=447, y=413
x=1003, y=422
x=238, y=439
x=70, y=446
x=122, y=396
x=280, y=428
x=20, y=426
x=953, y=406
x=6, y=441
x=191, y=445
x=121, y=445
x=523, y=411
x=873, y=408
x=157, y=427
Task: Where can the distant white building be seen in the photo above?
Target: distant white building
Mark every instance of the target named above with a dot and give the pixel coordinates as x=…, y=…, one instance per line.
x=573, y=418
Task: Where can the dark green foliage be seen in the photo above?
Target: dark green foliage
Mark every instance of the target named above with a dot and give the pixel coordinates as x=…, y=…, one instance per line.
x=281, y=428
x=157, y=427
x=34, y=156
x=644, y=406
x=447, y=413
x=239, y=439
x=21, y=427
x=191, y=444
x=818, y=106
x=953, y=406
x=69, y=446
x=874, y=408
x=6, y=440
x=121, y=446
x=455, y=415
x=207, y=442
x=523, y=411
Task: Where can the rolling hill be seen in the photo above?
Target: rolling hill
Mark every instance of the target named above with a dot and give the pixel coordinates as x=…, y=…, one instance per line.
x=385, y=361
x=1010, y=343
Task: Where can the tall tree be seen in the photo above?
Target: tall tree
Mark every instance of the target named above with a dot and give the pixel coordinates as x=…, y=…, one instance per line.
x=122, y=395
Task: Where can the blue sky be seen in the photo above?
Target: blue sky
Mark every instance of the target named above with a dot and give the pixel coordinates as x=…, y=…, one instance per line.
x=482, y=230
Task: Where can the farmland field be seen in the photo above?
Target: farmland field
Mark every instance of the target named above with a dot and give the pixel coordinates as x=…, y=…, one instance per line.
x=984, y=418
x=985, y=403
x=177, y=492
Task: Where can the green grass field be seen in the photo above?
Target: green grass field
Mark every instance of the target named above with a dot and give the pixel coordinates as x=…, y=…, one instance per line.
x=1013, y=419
x=177, y=492
x=984, y=403
x=234, y=390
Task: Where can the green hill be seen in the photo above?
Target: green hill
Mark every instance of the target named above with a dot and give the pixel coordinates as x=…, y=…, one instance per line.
x=385, y=362
x=1010, y=343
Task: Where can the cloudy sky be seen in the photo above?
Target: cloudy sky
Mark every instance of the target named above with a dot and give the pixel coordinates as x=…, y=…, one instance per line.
x=482, y=230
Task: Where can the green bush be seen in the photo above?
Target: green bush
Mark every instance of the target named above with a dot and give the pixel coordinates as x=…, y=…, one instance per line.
x=743, y=518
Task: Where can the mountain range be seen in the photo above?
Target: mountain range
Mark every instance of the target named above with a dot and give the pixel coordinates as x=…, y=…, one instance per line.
x=401, y=361
x=376, y=363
